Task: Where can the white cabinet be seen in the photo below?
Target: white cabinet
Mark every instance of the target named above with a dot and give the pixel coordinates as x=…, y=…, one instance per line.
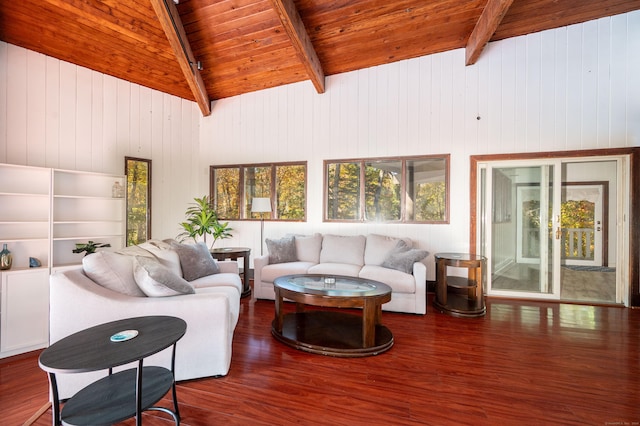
x=24, y=315
x=44, y=213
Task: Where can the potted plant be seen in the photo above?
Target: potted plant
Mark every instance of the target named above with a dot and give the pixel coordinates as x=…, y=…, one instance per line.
x=202, y=220
x=89, y=247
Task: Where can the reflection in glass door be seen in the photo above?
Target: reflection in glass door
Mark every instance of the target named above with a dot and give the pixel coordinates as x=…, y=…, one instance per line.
x=590, y=261
x=583, y=224
x=522, y=225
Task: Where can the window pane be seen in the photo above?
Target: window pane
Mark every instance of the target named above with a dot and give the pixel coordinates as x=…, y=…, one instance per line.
x=382, y=190
x=138, y=173
x=343, y=191
x=290, y=192
x=257, y=183
x=233, y=188
x=426, y=190
x=226, y=195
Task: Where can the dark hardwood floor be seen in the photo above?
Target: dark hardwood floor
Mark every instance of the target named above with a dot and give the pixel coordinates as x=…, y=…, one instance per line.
x=524, y=363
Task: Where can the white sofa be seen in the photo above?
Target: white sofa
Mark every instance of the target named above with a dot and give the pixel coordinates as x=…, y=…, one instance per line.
x=211, y=312
x=376, y=257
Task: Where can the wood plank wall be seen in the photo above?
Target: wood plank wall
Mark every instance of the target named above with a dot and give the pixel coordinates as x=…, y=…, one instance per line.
x=570, y=88
x=56, y=114
x=565, y=89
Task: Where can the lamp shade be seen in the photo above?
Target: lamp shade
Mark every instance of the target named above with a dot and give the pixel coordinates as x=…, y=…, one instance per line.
x=260, y=205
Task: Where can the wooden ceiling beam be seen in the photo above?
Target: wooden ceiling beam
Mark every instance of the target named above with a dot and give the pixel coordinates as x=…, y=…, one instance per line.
x=172, y=25
x=297, y=32
x=486, y=26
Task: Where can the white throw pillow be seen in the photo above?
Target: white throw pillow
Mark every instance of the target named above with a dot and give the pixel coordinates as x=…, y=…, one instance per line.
x=113, y=271
x=378, y=247
x=343, y=249
x=308, y=247
x=156, y=280
x=165, y=254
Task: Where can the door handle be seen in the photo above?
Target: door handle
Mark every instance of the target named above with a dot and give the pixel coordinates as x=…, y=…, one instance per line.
x=558, y=233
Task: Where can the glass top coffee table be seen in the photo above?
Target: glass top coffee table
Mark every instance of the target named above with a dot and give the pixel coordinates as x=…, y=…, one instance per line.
x=332, y=332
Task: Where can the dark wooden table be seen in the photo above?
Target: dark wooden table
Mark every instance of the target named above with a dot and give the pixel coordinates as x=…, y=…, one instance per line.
x=233, y=253
x=460, y=296
x=120, y=395
x=330, y=332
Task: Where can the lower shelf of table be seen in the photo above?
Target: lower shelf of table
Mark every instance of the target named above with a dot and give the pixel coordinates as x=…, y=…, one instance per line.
x=460, y=306
x=112, y=399
x=331, y=333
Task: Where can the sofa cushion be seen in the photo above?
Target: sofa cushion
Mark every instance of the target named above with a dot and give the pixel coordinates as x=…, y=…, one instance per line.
x=330, y=268
x=156, y=280
x=271, y=272
x=402, y=257
x=343, y=249
x=135, y=251
x=113, y=271
x=379, y=246
x=282, y=250
x=223, y=279
x=397, y=280
x=308, y=247
x=165, y=254
x=195, y=260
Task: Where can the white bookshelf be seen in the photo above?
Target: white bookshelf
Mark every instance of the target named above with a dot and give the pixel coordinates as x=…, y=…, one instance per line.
x=25, y=197
x=84, y=209
x=44, y=213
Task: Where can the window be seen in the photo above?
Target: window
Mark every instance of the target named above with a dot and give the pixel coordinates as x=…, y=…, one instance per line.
x=412, y=189
x=138, y=173
x=226, y=181
x=233, y=188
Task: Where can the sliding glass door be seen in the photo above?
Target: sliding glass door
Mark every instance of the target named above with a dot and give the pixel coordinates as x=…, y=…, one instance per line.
x=554, y=228
x=522, y=228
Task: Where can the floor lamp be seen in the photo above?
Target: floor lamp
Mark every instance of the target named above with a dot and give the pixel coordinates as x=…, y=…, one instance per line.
x=261, y=205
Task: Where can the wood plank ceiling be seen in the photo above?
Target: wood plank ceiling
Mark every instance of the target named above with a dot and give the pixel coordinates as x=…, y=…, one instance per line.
x=249, y=45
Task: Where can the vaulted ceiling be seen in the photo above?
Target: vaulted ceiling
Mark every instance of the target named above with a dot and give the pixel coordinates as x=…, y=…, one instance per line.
x=204, y=50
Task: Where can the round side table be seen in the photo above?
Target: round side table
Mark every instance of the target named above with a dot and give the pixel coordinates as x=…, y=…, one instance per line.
x=233, y=253
x=460, y=296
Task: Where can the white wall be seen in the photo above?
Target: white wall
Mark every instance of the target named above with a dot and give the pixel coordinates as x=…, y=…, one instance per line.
x=570, y=88
x=55, y=114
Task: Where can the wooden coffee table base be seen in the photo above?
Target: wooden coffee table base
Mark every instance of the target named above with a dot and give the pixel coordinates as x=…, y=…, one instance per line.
x=330, y=333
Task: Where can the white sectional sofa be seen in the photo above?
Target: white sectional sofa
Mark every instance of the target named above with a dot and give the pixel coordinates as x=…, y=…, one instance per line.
x=107, y=288
x=389, y=260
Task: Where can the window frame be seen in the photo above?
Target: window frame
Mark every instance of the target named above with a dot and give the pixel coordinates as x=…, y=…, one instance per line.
x=242, y=208
x=148, y=196
x=403, y=183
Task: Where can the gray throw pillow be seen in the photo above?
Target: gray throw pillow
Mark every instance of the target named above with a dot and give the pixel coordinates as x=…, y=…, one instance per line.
x=156, y=280
x=195, y=260
x=402, y=258
x=282, y=250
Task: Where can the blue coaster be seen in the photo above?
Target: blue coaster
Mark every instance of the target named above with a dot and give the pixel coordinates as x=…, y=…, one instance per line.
x=123, y=336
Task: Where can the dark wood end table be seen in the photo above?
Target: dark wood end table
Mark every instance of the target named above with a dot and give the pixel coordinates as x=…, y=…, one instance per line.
x=120, y=395
x=233, y=253
x=460, y=296
x=329, y=332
